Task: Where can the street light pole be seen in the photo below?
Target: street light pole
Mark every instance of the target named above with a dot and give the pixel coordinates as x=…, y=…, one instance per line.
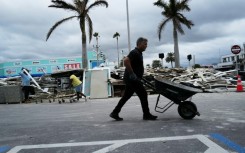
x=122, y=59
x=194, y=60
x=118, y=54
x=97, y=51
x=162, y=63
x=96, y=35
x=244, y=56
x=129, y=45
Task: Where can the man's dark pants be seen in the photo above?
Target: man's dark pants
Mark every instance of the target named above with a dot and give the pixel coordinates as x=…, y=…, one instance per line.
x=138, y=88
x=28, y=90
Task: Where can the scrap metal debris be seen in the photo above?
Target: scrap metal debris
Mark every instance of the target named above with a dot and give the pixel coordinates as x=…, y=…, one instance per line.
x=207, y=79
x=52, y=86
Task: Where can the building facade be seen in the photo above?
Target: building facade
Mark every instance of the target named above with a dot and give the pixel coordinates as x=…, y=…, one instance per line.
x=39, y=67
x=231, y=61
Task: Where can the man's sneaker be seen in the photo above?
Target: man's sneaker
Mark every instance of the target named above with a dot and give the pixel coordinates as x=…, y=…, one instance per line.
x=149, y=117
x=116, y=117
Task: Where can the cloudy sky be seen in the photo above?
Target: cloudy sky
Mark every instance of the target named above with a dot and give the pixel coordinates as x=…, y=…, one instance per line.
x=219, y=24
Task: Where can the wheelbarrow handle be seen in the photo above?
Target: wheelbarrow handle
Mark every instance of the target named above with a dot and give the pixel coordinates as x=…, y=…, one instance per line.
x=148, y=84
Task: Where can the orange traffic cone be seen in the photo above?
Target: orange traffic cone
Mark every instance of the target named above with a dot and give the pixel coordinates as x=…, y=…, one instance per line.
x=239, y=87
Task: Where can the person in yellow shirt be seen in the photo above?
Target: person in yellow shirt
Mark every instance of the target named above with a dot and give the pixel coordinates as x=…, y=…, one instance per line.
x=77, y=84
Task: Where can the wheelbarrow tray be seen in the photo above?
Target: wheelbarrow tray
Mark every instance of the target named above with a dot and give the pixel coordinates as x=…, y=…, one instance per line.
x=173, y=91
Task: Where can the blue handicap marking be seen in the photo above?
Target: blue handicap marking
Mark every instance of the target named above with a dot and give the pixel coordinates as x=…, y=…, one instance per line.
x=228, y=142
x=4, y=148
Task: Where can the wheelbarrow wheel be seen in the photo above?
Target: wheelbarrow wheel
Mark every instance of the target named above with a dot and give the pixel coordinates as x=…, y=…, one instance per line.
x=187, y=110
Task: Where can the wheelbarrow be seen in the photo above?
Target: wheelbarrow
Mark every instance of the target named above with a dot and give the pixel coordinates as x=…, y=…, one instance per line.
x=177, y=93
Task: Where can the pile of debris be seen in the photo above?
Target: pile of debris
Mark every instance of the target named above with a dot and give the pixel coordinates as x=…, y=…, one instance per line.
x=207, y=79
x=46, y=87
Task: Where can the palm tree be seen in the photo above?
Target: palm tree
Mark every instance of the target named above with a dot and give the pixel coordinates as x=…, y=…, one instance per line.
x=170, y=58
x=116, y=35
x=81, y=8
x=172, y=13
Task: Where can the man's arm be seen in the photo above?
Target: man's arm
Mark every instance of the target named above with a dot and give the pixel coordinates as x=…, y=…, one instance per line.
x=128, y=66
x=22, y=71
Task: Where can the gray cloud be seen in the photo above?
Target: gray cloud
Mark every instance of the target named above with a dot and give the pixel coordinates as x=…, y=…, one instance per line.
x=24, y=25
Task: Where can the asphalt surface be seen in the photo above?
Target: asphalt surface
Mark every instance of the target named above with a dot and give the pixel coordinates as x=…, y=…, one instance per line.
x=86, y=127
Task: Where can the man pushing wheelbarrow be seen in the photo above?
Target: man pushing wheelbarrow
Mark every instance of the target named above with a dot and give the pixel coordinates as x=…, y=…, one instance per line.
x=132, y=75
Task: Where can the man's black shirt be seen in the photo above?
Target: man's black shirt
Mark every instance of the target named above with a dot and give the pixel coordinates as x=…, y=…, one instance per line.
x=136, y=60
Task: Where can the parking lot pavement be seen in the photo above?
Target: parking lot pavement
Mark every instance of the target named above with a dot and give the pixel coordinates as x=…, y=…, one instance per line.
x=86, y=127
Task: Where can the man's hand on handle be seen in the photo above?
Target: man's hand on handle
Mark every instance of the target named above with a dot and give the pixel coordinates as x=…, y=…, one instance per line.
x=133, y=77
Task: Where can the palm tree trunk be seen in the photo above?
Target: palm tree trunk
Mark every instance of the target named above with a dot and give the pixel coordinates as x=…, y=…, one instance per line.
x=84, y=52
x=176, y=49
x=84, y=46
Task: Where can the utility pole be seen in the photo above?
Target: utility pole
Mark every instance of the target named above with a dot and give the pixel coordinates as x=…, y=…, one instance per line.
x=161, y=56
x=97, y=51
x=122, y=58
x=129, y=45
x=96, y=35
x=194, y=60
x=118, y=55
x=189, y=57
x=243, y=56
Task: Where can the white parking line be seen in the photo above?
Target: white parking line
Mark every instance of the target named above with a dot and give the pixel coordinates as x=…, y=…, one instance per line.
x=212, y=147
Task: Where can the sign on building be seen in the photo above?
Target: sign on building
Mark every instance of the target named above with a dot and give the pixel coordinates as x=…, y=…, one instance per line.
x=72, y=66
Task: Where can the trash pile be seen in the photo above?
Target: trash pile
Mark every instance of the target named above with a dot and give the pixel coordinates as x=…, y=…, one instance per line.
x=46, y=87
x=53, y=87
x=207, y=79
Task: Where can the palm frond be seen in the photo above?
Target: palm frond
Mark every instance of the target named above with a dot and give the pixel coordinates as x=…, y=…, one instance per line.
x=161, y=27
x=57, y=24
x=160, y=4
x=116, y=35
x=184, y=5
x=178, y=27
x=172, y=12
x=98, y=3
x=185, y=21
x=80, y=5
x=96, y=34
x=63, y=5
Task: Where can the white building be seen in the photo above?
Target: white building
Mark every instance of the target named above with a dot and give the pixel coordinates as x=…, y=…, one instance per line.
x=231, y=61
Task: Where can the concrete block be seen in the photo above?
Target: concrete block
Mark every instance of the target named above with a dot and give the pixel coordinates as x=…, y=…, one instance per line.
x=11, y=94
